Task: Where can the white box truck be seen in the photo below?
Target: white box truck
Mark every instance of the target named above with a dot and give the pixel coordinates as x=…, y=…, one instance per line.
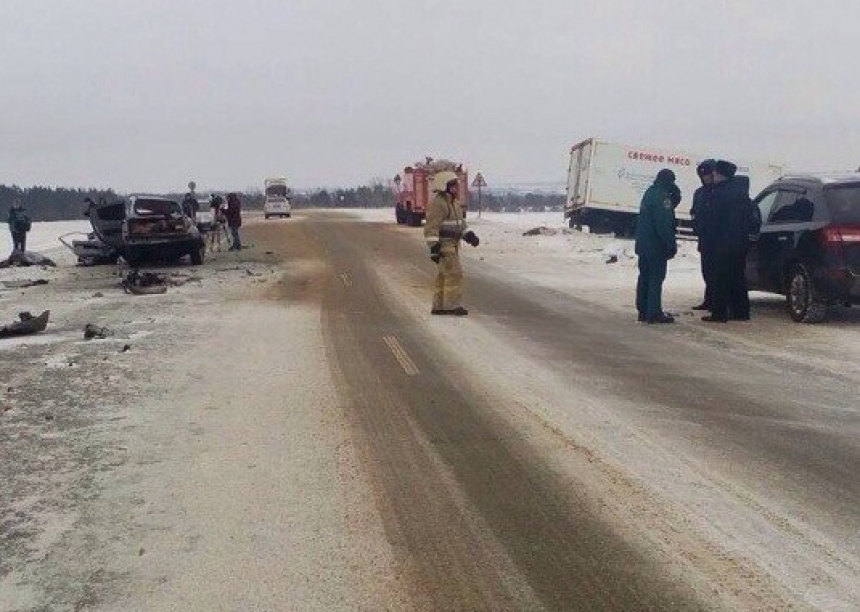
x=605, y=182
x=277, y=198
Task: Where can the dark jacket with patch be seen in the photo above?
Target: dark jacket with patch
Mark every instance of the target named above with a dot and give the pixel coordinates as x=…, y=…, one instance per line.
x=19, y=221
x=655, y=227
x=699, y=212
x=731, y=214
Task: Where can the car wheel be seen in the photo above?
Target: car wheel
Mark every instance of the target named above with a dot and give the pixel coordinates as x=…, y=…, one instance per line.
x=266, y=216
x=803, y=305
x=198, y=255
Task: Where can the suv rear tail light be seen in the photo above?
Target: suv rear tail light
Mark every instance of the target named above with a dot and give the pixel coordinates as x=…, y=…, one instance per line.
x=842, y=242
x=838, y=234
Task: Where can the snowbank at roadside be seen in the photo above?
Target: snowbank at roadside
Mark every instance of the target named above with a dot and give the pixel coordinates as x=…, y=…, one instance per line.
x=44, y=237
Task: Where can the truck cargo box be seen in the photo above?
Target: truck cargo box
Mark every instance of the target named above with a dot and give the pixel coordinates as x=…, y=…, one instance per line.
x=605, y=182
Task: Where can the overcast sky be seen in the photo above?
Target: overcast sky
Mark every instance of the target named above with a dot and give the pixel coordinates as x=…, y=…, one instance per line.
x=148, y=94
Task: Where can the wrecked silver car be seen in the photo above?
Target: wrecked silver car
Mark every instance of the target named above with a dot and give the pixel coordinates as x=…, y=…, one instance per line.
x=143, y=228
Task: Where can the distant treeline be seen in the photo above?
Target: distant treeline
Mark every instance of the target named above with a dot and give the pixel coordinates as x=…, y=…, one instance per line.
x=49, y=204
x=379, y=196
x=60, y=204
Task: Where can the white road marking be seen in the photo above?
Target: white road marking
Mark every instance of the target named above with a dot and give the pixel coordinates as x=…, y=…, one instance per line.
x=401, y=355
x=344, y=276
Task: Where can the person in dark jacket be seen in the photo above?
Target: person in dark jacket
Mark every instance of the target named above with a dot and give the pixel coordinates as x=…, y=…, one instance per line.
x=703, y=226
x=655, y=245
x=190, y=205
x=731, y=222
x=234, y=220
x=19, y=225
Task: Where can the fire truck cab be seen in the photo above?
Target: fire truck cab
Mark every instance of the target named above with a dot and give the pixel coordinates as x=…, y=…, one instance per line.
x=412, y=194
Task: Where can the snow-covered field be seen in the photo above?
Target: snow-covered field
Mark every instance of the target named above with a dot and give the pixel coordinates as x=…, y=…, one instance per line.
x=567, y=259
x=43, y=238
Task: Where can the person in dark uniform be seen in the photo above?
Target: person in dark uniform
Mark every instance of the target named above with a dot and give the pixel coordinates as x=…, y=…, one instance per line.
x=655, y=245
x=190, y=205
x=233, y=215
x=19, y=225
x=732, y=224
x=703, y=226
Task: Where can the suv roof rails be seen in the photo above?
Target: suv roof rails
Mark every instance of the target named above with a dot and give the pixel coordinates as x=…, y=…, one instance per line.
x=823, y=177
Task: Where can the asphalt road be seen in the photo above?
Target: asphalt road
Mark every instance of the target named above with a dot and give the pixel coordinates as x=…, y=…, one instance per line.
x=289, y=428
x=482, y=517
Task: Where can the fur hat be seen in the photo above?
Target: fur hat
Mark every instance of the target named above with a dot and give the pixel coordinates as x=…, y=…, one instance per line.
x=706, y=167
x=725, y=168
x=665, y=177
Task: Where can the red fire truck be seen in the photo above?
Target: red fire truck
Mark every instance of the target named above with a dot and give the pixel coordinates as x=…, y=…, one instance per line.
x=411, y=189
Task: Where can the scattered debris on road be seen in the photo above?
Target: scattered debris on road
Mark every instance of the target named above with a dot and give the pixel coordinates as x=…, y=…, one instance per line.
x=90, y=251
x=142, y=283
x=546, y=231
x=28, y=324
x=26, y=258
x=94, y=331
x=23, y=284
x=137, y=282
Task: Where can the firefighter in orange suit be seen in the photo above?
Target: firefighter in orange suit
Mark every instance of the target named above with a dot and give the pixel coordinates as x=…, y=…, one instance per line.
x=443, y=231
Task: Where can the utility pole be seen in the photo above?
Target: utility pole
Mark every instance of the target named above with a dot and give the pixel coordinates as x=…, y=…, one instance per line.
x=479, y=183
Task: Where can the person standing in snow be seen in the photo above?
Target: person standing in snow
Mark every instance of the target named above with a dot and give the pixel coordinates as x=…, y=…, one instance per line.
x=443, y=231
x=19, y=225
x=234, y=220
x=733, y=222
x=190, y=205
x=703, y=226
x=655, y=245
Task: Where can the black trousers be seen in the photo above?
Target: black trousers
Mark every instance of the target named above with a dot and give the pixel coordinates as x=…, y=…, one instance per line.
x=730, y=294
x=19, y=241
x=707, y=260
x=649, y=287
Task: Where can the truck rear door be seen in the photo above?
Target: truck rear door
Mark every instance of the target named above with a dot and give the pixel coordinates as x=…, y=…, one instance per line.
x=577, y=177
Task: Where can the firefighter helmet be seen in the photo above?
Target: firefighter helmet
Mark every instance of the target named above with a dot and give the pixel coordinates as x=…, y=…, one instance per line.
x=441, y=180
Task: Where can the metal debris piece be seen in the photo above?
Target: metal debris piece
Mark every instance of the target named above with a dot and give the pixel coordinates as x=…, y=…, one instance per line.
x=27, y=325
x=142, y=283
x=26, y=258
x=94, y=331
x=22, y=284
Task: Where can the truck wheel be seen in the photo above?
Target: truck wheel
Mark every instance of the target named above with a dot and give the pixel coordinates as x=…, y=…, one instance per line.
x=575, y=221
x=399, y=215
x=623, y=228
x=413, y=220
x=803, y=305
x=198, y=254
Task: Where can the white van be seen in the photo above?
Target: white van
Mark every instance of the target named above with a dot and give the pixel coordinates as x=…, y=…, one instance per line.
x=277, y=200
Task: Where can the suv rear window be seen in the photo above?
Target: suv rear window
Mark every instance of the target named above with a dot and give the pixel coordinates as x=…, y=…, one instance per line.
x=276, y=191
x=844, y=203
x=160, y=208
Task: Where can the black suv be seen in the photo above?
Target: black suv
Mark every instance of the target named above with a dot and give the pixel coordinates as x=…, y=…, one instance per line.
x=809, y=245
